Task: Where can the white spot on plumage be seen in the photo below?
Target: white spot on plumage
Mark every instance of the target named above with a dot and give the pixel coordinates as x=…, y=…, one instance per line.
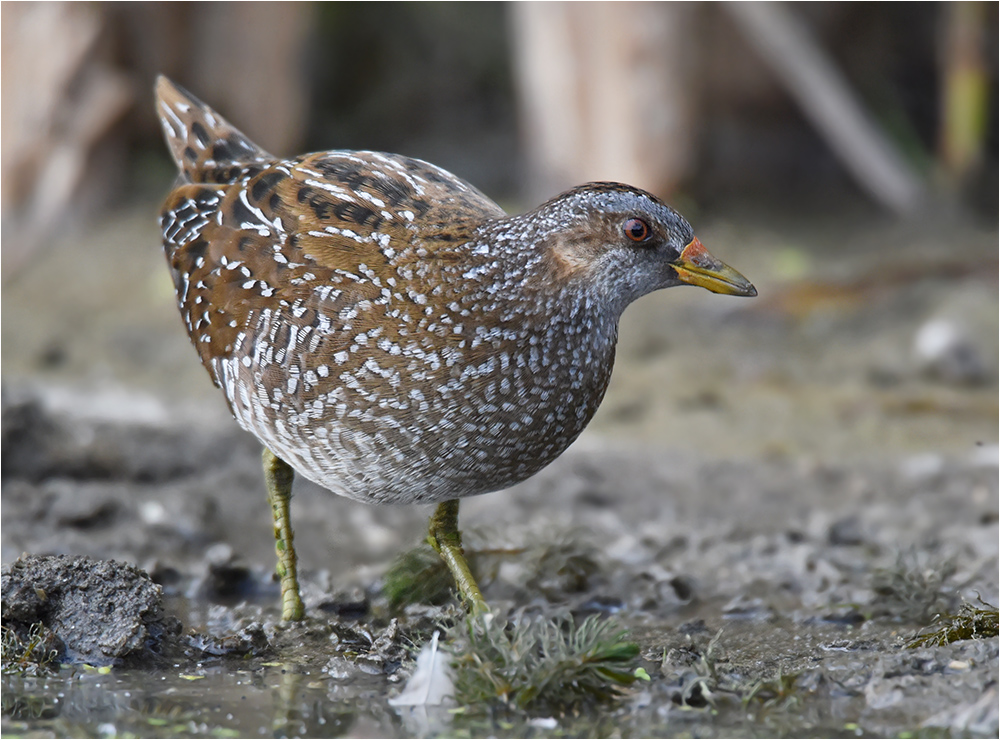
x=378, y=202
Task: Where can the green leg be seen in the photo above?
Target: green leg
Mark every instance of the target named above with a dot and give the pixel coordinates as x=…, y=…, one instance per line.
x=447, y=540
x=278, y=476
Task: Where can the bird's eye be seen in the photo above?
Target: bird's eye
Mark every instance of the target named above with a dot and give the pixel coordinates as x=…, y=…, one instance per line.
x=636, y=229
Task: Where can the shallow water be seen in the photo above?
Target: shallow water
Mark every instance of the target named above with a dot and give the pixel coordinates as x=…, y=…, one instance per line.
x=832, y=688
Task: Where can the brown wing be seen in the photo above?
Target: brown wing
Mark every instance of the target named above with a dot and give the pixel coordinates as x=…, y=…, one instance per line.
x=282, y=266
x=329, y=240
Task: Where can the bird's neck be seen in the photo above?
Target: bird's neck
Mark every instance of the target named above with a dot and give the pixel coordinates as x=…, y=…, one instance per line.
x=561, y=331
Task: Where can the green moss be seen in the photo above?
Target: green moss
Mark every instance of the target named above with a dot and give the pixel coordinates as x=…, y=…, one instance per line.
x=969, y=623
x=554, y=566
x=417, y=576
x=699, y=681
x=707, y=679
x=540, y=664
x=779, y=692
x=36, y=652
x=559, y=566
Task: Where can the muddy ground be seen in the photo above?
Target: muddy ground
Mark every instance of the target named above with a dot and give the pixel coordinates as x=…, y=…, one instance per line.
x=774, y=498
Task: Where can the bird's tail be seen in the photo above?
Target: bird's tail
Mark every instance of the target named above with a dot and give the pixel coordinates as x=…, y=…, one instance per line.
x=204, y=145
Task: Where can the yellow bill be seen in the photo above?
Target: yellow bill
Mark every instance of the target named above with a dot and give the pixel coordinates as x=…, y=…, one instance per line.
x=696, y=266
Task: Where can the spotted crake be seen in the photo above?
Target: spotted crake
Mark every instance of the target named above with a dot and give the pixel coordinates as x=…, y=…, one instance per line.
x=387, y=331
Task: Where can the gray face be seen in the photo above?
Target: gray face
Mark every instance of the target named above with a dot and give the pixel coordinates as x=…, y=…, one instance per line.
x=608, y=207
x=618, y=243
x=612, y=242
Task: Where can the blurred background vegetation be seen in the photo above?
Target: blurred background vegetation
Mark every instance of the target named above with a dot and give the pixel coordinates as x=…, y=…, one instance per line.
x=790, y=107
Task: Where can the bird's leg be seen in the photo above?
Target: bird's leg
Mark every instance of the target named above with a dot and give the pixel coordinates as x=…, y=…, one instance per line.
x=447, y=540
x=278, y=476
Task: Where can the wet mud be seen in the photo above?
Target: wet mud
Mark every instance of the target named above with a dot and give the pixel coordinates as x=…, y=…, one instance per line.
x=775, y=499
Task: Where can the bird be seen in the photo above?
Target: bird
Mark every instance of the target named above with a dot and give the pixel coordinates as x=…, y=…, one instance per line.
x=387, y=331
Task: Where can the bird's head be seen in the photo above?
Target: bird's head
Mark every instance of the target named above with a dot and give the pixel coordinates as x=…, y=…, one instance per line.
x=625, y=242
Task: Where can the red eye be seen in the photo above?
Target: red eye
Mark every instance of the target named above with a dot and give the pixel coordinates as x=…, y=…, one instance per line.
x=636, y=229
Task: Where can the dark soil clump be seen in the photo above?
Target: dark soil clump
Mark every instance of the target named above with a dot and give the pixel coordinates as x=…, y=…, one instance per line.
x=101, y=612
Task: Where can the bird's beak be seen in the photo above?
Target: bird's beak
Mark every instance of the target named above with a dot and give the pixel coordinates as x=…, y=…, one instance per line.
x=696, y=266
